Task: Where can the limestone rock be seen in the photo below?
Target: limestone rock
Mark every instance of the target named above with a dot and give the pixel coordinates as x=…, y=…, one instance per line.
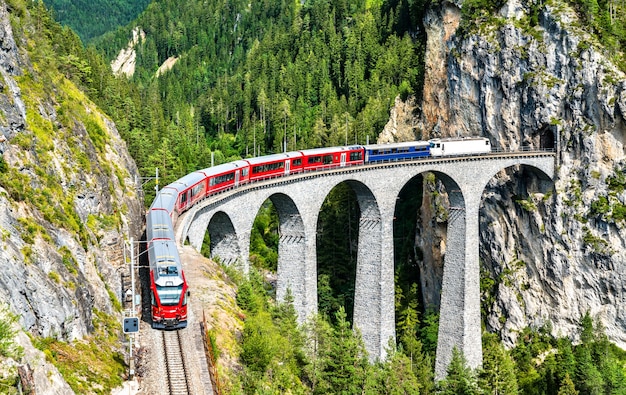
x=559, y=254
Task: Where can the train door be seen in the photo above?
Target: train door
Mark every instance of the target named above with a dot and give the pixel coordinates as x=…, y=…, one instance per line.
x=183, y=201
x=343, y=159
x=287, y=167
x=237, y=177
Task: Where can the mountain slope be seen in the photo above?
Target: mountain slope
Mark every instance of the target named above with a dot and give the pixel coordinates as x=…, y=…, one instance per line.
x=67, y=202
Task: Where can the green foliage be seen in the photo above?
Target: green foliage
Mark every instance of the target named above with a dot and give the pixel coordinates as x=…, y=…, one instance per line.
x=596, y=243
x=617, y=182
x=264, y=238
x=527, y=204
x=429, y=331
x=475, y=13
x=545, y=365
x=344, y=365
x=567, y=387
x=497, y=375
x=600, y=206
x=251, y=293
x=81, y=15
x=337, y=236
x=272, y=343
x=460, y=379
x=8, y=331
x=309, y=74
x=618, y=212
x=395, y=377
x=607, y=21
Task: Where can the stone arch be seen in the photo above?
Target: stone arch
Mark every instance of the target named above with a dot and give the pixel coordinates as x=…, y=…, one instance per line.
x=425, y=232
x=371, y=275
x=511, y=206
x=291, y=251
x=223, y=239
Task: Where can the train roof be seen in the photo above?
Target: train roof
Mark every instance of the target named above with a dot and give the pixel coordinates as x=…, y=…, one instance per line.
x=165, y=199
x=159, y=225
x=397, y=145
x=224, y=167
x=165, y=263
x=274, y=157
x=329, y=150
x=446, y=139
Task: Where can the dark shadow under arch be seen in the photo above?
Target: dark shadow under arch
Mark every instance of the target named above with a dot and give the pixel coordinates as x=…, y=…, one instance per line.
x=223, y=244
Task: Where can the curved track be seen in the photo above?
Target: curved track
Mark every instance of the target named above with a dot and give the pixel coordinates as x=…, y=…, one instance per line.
x=177, y=376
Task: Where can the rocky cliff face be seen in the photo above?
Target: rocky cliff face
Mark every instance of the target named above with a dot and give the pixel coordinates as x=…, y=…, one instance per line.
x=67, y=201
x=552, y=255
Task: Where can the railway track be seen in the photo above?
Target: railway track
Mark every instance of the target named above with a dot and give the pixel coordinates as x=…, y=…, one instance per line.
x=178, y=381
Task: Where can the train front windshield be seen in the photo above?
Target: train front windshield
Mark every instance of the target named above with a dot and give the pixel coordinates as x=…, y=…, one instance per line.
x=170, y=296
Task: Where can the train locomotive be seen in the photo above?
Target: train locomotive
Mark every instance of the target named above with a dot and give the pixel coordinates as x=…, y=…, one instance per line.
x=169, y=289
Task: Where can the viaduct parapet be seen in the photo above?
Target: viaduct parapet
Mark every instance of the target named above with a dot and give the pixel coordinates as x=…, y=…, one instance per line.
x=229, y=218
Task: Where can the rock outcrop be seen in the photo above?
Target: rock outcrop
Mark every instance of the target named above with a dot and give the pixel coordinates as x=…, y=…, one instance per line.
x=547, y=85
x=68, y=199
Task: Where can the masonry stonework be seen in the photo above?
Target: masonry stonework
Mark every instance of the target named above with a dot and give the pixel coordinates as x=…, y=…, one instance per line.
x=229, y=217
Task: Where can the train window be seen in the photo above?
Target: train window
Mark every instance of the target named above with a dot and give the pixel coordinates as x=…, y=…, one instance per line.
x=183, y=198
x=355, y=155
x=268, y=167
x=168, y=271
x=169, y=296
x=244, y=172
x=222, y=179
x=197, y=189
x=296, y=162
x=328, y=159
x=315, y=159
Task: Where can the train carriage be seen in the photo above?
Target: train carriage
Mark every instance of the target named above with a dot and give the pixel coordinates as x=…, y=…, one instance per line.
x=459, y=146
x=225, y=176
x=186, y=192
x=326, y=158
x=159, y=225
x=166, y=199
x=276, y=165
x=397, y=151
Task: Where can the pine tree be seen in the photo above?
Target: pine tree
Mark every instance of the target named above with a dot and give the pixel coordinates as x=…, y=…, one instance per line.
x=567, y=387
x=460, y=379
x=345, y=363
x=498, y=373
x=394, y=377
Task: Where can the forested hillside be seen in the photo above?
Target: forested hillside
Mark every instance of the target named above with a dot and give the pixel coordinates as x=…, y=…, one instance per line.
x=92, y=18
x=256, y=77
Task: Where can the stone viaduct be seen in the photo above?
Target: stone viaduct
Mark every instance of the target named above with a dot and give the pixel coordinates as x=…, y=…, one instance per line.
x=229, y=218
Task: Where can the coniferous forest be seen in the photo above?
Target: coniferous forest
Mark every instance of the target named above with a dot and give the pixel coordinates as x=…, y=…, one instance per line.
x=253, y=78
